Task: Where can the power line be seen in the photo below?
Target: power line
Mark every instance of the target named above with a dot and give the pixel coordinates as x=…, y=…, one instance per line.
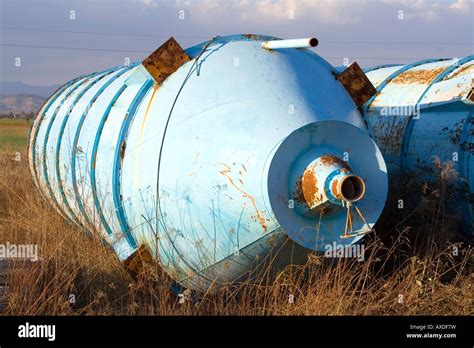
x=102, y=33
x=140, y=51
x=73, y=48
x=400, y=43
x=205, y=37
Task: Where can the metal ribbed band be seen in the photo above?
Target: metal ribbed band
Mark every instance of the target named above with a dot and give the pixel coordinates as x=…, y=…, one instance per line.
x=117, y=161
x=76, y=138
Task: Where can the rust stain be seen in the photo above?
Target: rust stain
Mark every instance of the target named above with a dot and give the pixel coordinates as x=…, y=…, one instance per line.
x=306, y=188
x=325, y=209
x=142, y=128
x=389, y=133
x=165, y=60
x=356, y=84
x=225, y=172
x=378, y=98
x=122, y=150
x=251, y=36
x=309, y=185
x=334, y=189
x=455, y=132
x=418, y=76
x=464, y=70
x=298, y=191
x=329, y=160
x=136, y=263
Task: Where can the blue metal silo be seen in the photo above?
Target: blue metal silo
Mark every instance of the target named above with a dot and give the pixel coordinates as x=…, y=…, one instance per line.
x=422, y=115
x=212, y=157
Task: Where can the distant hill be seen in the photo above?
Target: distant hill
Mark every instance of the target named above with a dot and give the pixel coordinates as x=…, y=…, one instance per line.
x=20, y=103
x=14, y=88
x=21, y=98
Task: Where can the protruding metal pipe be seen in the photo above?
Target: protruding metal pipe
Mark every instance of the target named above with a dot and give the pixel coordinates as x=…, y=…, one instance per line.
x=350, y=188
x=326, y=184
x=293, y=43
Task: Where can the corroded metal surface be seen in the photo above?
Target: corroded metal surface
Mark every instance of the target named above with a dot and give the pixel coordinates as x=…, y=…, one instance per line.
x=317, y=177
x=165, y=60
x=309, y=187
x=418, y=76
x=357, y=84
x=422, y=114
x=194, y=163
x=136, y=262
x=311, y=160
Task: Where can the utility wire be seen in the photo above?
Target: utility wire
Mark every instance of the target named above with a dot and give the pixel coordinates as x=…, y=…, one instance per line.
x=73, y=48
x=102, y=33
x=205, y=37
x=142, y=51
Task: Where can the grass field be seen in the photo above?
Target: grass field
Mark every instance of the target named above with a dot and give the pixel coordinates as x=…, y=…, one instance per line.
x=410, y=268
x=13, y=134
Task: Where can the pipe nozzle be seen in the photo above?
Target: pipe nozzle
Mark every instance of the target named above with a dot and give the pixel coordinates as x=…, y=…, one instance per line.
x=351, y=188
x=326, y=184
x=293, y=43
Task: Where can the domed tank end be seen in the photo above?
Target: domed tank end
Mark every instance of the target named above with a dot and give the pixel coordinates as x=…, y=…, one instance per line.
x=327, y=183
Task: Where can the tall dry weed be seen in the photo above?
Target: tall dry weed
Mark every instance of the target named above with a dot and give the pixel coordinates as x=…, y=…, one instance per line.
x=409, y=268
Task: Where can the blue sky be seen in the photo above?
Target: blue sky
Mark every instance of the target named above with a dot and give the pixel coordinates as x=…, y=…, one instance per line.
x=108, y=31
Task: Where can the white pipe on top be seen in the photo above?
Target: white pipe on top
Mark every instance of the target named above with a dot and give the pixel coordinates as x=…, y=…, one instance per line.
x=293, y=43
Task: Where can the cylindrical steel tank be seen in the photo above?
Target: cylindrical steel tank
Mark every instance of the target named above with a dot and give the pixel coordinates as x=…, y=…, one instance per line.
x=212, y=156
x=422, y=115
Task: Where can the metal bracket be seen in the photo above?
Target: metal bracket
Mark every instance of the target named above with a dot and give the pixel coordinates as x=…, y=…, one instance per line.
x=348, y=230
x=357, y=84
x=165, y=60
x=134, y=264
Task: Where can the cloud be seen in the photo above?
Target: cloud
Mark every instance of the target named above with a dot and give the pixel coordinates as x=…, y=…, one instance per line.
x=460, y=5
x=335, y=12
x=329, y=12
x=148, y=3
x=428, y=10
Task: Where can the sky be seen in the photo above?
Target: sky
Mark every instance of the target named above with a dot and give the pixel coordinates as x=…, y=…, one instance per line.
x=48, y=42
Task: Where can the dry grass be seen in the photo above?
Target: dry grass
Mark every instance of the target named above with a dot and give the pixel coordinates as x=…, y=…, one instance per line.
x=413, y=262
